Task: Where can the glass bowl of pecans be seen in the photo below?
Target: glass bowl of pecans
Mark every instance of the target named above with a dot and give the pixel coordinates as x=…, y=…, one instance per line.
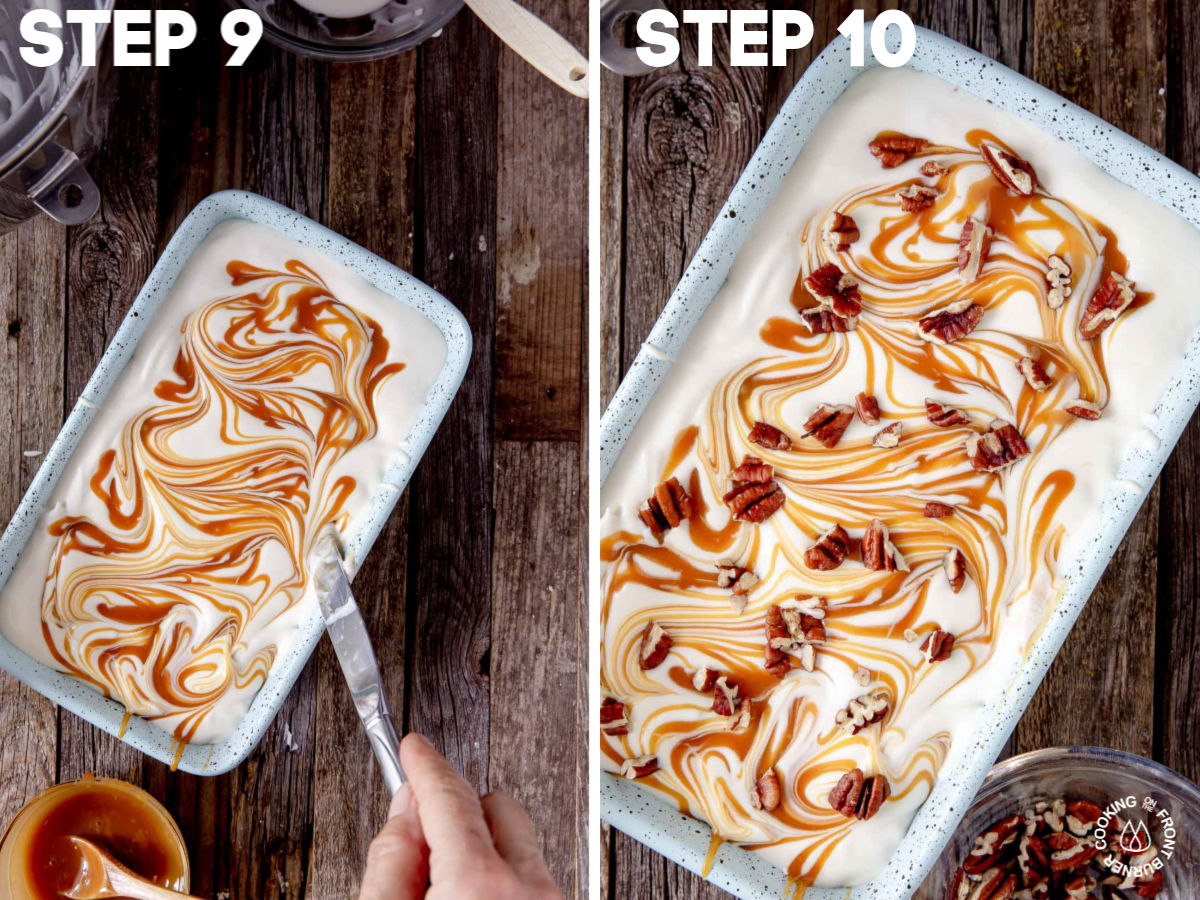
x=1074, y=823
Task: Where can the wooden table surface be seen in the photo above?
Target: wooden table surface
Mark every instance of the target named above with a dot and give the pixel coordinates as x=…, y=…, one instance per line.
x=462, y=165
x=673, y=144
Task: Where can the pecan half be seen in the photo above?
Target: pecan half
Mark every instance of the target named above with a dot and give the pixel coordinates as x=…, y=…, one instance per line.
x=830, y=549
x=997, y=448
x=767, y=793
x=862, y=712
x=775, y=660
x=867, y=407
x=1033, y=373
x=990, y=846
x=754, y=502
x=705, y=679
x=753, y=471
x=669, y=506
x=1112, y=298
x=1084, y=409
x=725, y=697
x=839, y=232
x=878, y=552
x=889, y=437
x=821, y=320
x=639, y=766
x=1069, y=852
x=937, y=646
x=769, y=437
x=935, y=509
x=933, y=169
x=893, y=148
x=950, y=323
x=828, y=423
x=973, y=245
x=944, y=416
x=1058, y=281
x=612, y=717
x=1011, y=171
x=955, y=566
x=656, y=644
x=917, y=197
x=857, y=797
x=834, y=288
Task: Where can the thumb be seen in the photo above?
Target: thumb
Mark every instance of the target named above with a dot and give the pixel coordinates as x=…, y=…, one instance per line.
x=398, y=859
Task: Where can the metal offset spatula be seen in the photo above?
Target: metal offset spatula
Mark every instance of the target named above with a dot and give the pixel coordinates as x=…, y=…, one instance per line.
x=348, y=634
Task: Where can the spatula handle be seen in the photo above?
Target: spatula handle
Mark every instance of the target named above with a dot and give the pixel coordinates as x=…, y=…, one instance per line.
x=535, y=41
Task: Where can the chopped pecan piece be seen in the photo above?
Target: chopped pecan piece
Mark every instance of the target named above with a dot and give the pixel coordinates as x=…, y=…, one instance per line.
x=867, y=407
x=1084, y=409
x=1035, y=376
x=950, y=323
x=828, y=424
x=944, y=416
x=917, y=197
x=973, y=245
x=1058, y=281
x=639, y=766
x=767, y=793
x=889, y=437
x=830, y=549
x=770, y=437
x=656, y=644
x=933, y=169
x=857, y=797
x=1112, y=298
x=753, y=471
x=997, y=448
x=839, y=232
x=862, y=712
x=1079, y=887
x=935, y=509
x=893, y=148
x=878, y=552
x=740, y=720
x=862, y=676
x=820, y=320
x=1011, y=171
x=805, y=618
x=705, y=679
x=937, y=646
x=730, y=575
x=754, y=502
x=612, y=717
x=834, y=288
x=725, y=697
x=669, y=506
x=955, y=566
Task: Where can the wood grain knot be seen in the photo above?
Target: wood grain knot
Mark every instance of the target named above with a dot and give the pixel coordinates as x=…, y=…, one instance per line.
x=103, y=255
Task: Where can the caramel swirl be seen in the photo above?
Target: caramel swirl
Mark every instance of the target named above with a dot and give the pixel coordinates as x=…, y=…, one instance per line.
x=213, y=496
x=1009, y=525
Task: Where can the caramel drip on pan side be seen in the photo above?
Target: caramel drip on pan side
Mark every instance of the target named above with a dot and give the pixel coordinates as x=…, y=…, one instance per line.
x=220, y=531
x=1006, y=524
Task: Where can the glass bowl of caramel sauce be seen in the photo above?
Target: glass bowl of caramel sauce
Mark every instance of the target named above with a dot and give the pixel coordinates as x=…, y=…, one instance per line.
x=39, y=862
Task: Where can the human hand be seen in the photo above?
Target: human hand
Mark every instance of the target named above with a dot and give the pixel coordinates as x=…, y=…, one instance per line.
x=443, y=842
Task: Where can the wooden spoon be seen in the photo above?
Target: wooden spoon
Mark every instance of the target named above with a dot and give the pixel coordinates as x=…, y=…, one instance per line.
x=536, y=42
x=101, y=876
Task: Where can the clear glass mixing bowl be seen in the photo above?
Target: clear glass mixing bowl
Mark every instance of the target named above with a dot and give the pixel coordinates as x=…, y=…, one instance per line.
x=397, y=26
x=1090, y=773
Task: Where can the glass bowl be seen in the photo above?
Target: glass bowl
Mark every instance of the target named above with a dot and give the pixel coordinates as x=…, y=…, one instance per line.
x=1089, y=773
x=396, y=26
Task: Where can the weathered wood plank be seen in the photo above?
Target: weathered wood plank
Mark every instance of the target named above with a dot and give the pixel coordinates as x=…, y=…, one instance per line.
x=32, y=290
x=541, y=244
x=372, y=108
x=535, y=646
x=612, y=232
x=450, y=521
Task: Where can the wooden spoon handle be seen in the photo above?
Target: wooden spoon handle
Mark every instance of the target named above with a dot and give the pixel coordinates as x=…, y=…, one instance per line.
x=539, y=44
x=126, y=884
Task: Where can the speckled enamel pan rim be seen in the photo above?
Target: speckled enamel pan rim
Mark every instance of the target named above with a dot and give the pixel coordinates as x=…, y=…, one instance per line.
x=686, y=840
x=88, y=704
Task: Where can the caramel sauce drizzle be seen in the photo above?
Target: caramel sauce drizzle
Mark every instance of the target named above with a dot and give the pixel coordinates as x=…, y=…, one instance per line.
x=212, y=496
x=905, y=268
